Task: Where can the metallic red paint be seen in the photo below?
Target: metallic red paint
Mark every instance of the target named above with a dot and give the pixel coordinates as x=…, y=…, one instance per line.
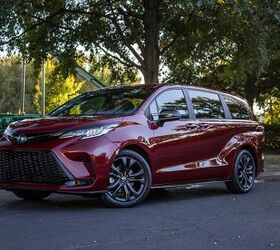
x=178, y=152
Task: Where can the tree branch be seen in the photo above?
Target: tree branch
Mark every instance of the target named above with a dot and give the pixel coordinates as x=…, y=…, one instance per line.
x=127, y=61
x=177, y=35
x=120, y=32
x=130, y=25
x=83, y=12
x=122, y=58
x=168, y=46
x=45, y=20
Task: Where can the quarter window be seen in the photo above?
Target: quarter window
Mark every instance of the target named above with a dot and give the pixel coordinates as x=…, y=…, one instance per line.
x=237, y=109
x=206, y=105
x=153, y=114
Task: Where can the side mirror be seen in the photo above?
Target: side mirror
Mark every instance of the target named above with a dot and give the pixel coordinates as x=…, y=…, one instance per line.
x=167, y=115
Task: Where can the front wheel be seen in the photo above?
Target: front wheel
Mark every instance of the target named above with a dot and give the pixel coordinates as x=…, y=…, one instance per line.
x=31, y=195
x=129, y=180
x=244, y=173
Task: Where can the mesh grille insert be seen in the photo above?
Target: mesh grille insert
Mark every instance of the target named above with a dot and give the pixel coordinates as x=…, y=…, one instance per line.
x=30, y=167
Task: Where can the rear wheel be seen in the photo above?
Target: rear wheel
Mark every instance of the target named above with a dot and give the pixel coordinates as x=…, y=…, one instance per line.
x=129, y=180
x=31, y=195
x=243, y=173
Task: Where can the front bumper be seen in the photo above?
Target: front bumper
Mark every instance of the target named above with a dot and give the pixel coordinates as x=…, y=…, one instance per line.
x=85, y=165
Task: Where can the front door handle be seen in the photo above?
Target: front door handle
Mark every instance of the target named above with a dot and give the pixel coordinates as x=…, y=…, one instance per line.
x=192, y=126
x=259, y=128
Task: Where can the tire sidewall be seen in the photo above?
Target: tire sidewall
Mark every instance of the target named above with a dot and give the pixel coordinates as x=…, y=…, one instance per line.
x=240, y=154
x=148, y=176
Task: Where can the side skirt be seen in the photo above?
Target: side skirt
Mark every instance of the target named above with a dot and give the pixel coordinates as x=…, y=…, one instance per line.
x=178, y=185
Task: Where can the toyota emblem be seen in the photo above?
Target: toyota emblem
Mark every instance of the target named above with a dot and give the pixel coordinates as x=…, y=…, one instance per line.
x=21, y=139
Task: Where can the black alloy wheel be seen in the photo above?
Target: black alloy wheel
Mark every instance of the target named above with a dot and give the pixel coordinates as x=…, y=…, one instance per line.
x=129, y=180
x=244, y=173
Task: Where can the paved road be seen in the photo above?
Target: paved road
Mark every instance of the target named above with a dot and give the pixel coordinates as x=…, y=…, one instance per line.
x=201, y=217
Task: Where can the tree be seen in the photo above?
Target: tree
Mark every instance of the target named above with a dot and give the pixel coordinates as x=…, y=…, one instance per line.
x=113, y=28
x=272, y=110
x=232, y=48
x=191, y=39
x=59, y=89
x=10, y=85
x=135, y=33
x=269, y=87
x=109, y=71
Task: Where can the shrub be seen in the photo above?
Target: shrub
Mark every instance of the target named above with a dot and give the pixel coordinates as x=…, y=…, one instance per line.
x=272, y=136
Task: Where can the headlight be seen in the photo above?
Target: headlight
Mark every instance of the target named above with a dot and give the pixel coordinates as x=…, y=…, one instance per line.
x=86, y=133
x=7, y=133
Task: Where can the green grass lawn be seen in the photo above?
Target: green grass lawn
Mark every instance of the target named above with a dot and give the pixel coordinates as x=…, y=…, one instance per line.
x=272, y=159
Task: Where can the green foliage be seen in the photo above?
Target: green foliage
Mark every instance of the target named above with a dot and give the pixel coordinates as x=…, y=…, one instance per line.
x=62, y=29
x=232, y=45
x=59, y=89
x=228, y=46
x=271, y=106
x=269, y=89
x=110, y=72
x=10, y=85
x=272, y=136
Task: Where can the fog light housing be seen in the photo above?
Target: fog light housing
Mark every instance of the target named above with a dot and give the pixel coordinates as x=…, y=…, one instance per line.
x=79, y=183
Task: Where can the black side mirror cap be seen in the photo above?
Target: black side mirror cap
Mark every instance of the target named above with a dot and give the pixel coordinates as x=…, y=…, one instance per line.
x=167, y=115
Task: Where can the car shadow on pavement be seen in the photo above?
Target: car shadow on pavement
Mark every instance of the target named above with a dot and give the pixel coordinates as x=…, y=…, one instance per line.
x=187, y=193
x=72, y=202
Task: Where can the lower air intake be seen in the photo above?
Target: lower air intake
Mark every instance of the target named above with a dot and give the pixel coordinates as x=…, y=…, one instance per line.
x=31, y=167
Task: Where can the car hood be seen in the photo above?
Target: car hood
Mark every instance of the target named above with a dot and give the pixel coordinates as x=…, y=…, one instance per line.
x=55, y=124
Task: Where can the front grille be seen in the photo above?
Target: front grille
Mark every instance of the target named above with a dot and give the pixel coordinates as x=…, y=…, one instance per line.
x=31, y=167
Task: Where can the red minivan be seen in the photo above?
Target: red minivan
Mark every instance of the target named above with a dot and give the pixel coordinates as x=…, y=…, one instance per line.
x=122, y=142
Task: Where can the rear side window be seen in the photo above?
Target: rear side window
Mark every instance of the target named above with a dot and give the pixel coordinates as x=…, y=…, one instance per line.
x=173, y=99
x=237, y=109
x=206, y=105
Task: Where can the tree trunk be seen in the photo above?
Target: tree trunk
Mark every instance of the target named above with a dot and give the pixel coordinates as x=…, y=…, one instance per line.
x=271, y=113
x=250, y=86
x=151, y=49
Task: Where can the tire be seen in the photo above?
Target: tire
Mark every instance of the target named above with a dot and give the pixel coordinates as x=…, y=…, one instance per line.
x=244, y=173
x=31, y=195
x=129, y=180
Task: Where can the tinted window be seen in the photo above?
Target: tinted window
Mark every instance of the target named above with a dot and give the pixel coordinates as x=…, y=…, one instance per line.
x=121, y=101
x=88, y=106
x=206, y=105
x=237, y=109
x=173, y=99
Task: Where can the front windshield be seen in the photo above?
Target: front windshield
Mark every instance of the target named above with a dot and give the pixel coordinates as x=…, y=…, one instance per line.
x=120, y=101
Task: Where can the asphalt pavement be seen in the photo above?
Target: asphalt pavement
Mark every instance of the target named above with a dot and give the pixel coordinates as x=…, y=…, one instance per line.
x=196, y=217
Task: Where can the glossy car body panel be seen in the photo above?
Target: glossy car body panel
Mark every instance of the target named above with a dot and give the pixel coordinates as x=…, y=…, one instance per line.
x=181, y=151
